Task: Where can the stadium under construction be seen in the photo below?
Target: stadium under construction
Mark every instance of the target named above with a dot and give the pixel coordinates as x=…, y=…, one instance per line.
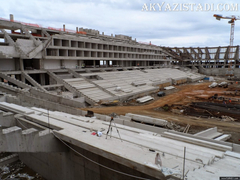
x=50, y=79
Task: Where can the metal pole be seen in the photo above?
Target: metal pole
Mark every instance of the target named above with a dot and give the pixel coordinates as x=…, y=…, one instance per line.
x=184, y=157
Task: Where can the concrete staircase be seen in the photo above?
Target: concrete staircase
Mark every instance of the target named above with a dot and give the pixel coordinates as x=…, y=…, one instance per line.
x=9, y=88
x=15, y=81
x=91, y=82
x=70, y=88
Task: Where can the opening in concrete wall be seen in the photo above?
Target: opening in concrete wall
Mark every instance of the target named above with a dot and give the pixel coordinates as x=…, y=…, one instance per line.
x=65, y=43
x=52, y=52
x=94, y=46
x=81, y=44
x=79, y=53
x=74, y=44
x=63, y=52
x=31, y=64
x=72, y=53
x=57, y=42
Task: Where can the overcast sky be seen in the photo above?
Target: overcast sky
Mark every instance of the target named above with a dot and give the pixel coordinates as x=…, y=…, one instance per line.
x=180, y=23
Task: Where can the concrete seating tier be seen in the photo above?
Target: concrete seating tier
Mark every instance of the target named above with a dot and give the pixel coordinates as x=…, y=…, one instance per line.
x=88, y=89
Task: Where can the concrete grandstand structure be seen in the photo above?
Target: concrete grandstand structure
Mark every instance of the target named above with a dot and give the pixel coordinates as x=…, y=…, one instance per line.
x=47, y=75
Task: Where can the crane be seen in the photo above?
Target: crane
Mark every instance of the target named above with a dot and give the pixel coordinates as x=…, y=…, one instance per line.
x=231, y=21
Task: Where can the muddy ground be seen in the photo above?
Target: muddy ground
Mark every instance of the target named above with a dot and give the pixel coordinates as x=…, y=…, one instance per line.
x=183, y=96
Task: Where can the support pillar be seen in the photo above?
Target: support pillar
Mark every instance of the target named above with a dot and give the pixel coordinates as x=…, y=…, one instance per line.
x=22, y=69
x=21, y=64
x=42, y=79
x=94, y=63
x=62, y=63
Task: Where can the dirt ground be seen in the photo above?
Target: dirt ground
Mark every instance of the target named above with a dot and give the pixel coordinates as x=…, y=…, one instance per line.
x=184, y=95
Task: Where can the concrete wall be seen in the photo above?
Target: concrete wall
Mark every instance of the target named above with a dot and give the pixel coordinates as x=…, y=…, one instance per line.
x=218, y=71
x=51, y=64
x=7, y=65
x=25, y=42
x=70, y=64
x=25, y=100
x=58, y=99
x=71, y=166
x=9, y=50
x=161, y=86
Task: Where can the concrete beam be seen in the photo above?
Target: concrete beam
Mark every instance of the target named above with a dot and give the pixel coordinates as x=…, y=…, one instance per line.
x=14, y=81
x=33, y=82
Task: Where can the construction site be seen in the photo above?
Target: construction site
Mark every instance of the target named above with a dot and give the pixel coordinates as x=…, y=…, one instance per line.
x=79, y=104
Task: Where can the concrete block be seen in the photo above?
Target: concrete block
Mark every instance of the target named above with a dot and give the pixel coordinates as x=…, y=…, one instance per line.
x=30, y=131
x=84, y=113
x=223, y=137
x=197, y=141
x=210, y=133
x=147, y=119
x=125, y=118
x=107, y=118
x=232, y=154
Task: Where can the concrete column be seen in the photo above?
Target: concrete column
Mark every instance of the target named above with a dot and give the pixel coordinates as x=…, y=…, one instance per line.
x=11, y=17
x=52, y=81
x=62, y=63
x=41, y=64
x=94, y=63
x=23, y=78
x=21, y=64
x=42, y=79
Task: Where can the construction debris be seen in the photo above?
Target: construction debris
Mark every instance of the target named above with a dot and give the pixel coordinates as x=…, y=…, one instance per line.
x=169, y=88
x=227, y=119
x=213, y=85
x=187, y=128
x=144, y=99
